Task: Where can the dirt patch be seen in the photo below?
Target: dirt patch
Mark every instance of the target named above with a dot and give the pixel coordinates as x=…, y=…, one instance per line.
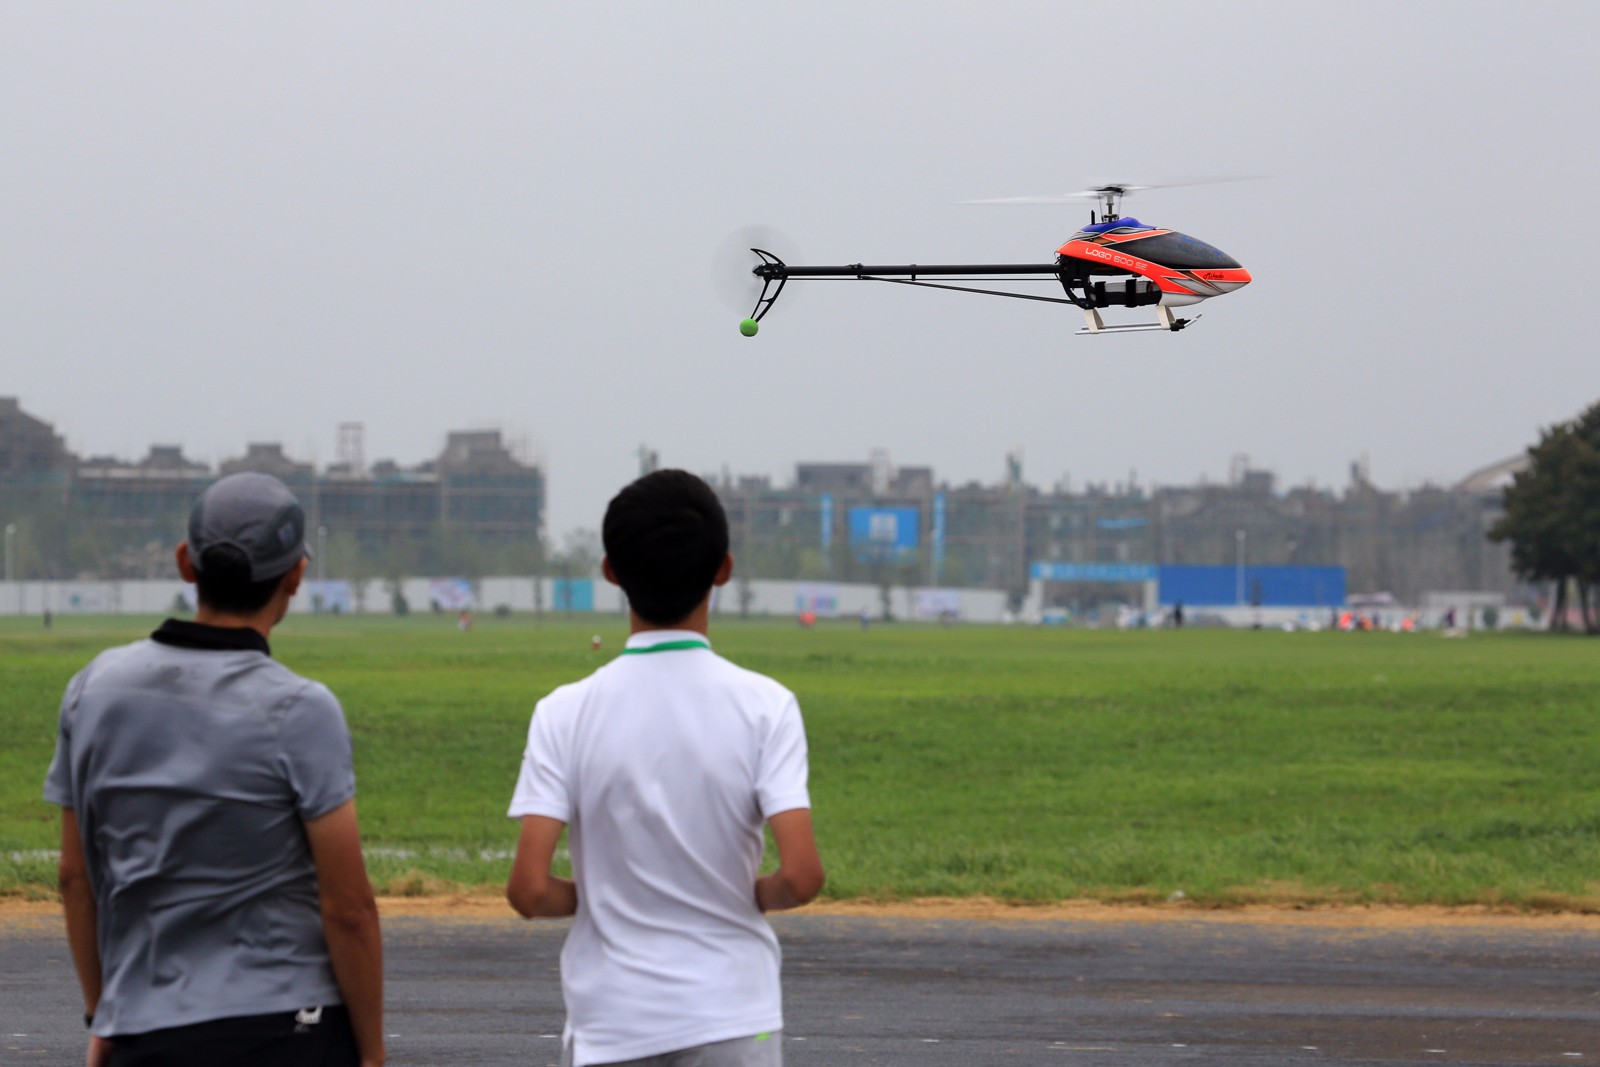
x=16, y=914
x=983, y=909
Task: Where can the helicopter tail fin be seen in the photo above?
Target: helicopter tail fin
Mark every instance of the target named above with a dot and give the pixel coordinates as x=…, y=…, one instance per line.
x=771, y=269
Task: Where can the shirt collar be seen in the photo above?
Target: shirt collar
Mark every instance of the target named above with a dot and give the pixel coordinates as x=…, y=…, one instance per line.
x=665, y=641
x=181, y=633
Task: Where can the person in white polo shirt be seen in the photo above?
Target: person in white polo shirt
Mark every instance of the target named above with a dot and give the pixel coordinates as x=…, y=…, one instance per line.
x=664, y=765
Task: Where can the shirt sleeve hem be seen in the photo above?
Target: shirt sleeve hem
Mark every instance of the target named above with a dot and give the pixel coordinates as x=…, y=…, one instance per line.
x=308, y=814
x=549, y=811
x=780, y=805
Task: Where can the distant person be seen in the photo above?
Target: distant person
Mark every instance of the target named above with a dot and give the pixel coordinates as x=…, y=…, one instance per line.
x=666, y=763
x=1177, y=615
x=217, y=904
x=866, y=620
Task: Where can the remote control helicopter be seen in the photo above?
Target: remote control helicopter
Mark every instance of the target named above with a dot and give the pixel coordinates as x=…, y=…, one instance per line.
x=1112, y=262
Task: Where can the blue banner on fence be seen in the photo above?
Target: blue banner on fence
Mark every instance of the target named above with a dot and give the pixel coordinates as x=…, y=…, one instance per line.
x=883, y=533
x=572, y=594
x=1267, y=586
x=1095, y=572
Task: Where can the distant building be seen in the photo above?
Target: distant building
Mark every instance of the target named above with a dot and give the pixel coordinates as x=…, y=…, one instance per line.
x=108, y=517
x=1402, y=543
x=268, y=458
x=30, y=449
x=871, y=521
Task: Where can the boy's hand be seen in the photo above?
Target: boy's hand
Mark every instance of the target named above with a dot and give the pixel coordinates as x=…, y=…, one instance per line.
x=799, y=876
x=532, y=890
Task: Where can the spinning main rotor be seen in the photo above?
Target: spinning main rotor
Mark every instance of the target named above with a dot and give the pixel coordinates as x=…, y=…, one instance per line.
x=1108, y=194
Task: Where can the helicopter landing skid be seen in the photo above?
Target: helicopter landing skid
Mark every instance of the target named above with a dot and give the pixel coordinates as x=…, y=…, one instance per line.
x=1169, y=323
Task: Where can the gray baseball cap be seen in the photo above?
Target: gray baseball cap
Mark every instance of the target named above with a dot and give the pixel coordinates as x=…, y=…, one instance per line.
x=254, y=513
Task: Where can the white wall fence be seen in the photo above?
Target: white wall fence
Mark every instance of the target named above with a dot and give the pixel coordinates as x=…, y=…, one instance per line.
x=518, y=594
x=768, y=598
x=89, y=598
x=845, y=600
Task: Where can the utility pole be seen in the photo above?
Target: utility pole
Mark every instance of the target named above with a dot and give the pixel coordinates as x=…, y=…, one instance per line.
x=1238, y=567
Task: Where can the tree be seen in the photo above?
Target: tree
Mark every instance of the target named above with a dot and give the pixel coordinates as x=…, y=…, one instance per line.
x=910, y=577
x=883, y=576
x=348, y=559
x=580, y=556
x=399, y=559
x=581, y=553
x=746, y=593
x=1552, y=517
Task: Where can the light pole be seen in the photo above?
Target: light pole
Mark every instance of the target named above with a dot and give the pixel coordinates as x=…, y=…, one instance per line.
x=1238, y=567
x=322, y=570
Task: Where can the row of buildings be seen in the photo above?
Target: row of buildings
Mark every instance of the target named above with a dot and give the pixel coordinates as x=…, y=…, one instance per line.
x=859, y=520
x=479, y=508
x=108, y=517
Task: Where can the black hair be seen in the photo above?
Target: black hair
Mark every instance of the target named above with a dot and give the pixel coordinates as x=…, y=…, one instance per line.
x=665, y=535
x=222, y=582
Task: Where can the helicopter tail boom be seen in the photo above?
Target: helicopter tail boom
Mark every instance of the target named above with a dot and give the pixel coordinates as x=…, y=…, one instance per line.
x=775, y=274
x=1080, y=289
x=914, y=270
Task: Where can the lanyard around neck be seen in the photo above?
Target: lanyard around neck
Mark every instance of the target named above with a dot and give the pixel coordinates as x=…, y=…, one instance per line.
x=667, y=646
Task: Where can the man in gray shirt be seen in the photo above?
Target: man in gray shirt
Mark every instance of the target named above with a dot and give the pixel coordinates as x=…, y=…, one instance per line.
x=217, y=903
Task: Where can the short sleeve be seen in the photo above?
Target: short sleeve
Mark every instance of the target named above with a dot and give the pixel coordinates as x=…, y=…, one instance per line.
x=314, y=745
x=782, y=769
x=58, y=779
x=542, y=784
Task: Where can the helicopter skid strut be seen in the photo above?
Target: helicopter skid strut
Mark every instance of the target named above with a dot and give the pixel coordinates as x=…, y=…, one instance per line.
x=1169, y=323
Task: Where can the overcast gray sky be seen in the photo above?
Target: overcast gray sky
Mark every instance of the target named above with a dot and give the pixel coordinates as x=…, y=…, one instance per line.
x=223, y=223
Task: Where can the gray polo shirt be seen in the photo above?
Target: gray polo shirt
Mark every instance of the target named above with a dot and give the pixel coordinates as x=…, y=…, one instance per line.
x=190, y=760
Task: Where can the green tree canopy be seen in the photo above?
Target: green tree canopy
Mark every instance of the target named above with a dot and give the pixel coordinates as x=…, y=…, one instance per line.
x=1552, y=515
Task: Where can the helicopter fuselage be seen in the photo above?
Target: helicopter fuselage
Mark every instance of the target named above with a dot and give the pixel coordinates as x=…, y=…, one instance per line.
x=1123, y=263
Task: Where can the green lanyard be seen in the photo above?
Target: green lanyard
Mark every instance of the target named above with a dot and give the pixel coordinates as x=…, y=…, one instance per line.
x=666, y=646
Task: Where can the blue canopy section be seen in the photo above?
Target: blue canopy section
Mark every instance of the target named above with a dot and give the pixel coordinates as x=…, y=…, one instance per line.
x=1102, y=227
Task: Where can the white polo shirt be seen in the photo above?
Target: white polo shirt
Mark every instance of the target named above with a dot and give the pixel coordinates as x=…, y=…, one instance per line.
x=665, y=764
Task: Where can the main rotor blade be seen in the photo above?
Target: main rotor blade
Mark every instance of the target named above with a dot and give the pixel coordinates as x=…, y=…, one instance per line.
x=1100, y=190
x=1029, y=201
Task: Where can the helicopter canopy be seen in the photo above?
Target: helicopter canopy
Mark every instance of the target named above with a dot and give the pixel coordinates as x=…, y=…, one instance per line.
x=1179, y=251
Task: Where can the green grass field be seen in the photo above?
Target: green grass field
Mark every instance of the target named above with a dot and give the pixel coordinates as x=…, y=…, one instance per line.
x=1030, y=765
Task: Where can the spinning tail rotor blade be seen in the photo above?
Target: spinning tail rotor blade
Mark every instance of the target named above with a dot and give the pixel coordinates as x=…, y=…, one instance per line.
x=733, y=261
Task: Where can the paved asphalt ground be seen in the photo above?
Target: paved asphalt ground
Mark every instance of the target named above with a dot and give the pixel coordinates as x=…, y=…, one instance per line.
x=933, y=993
